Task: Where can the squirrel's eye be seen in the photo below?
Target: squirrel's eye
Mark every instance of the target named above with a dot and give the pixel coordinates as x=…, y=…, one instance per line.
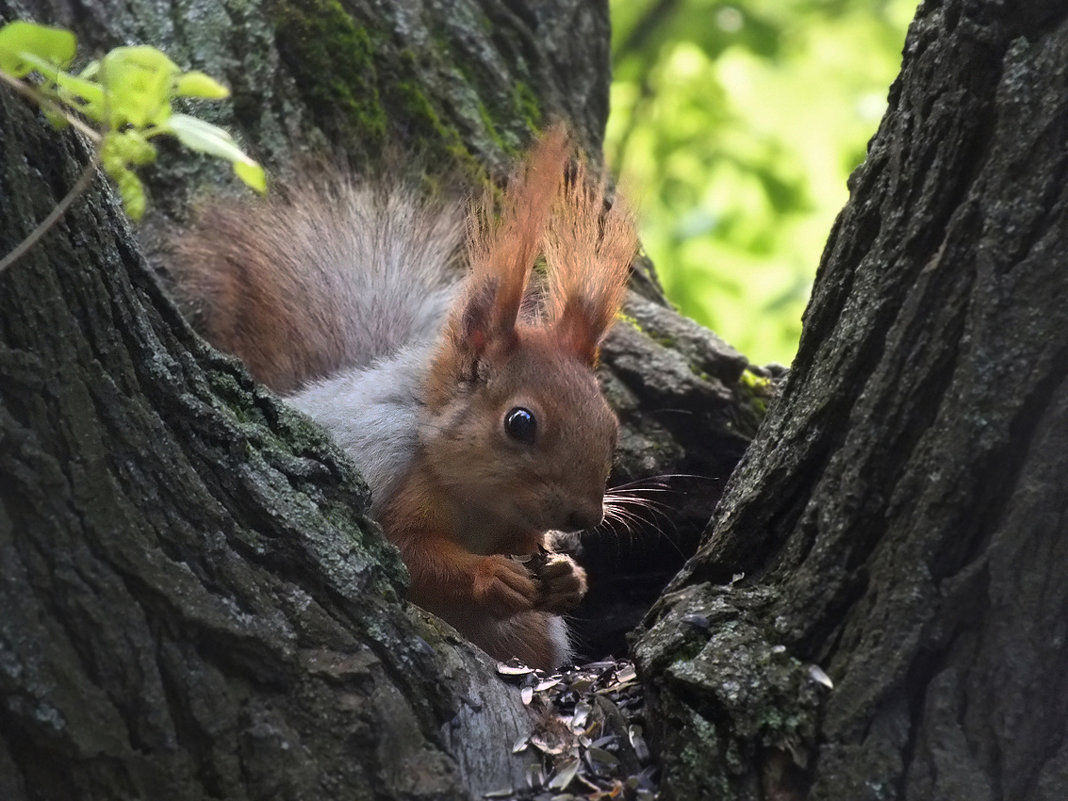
x=519, y=424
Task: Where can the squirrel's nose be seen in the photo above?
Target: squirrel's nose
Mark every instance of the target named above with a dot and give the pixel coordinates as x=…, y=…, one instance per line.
x=588, y=516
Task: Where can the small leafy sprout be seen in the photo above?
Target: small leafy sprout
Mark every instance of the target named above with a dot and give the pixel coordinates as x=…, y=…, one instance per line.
x=127, y=95
x=21, y=39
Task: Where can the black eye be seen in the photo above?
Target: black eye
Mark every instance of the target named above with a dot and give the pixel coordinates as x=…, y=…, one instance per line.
x=519, y=424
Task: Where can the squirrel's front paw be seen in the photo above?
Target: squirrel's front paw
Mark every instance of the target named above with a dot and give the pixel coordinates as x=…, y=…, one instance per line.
x=504, y=586
x=563, y=583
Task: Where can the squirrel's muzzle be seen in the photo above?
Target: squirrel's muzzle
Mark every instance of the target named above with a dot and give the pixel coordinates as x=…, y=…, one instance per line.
x=587, y=517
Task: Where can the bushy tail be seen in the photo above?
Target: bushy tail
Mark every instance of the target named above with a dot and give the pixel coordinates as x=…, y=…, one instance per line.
x=324, y=277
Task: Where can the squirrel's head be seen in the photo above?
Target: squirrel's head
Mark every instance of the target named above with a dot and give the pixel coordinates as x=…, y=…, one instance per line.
x=517, y=428
x=523, y=439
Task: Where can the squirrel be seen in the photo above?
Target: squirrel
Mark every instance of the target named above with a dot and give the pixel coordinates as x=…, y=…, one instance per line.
x=458, y=378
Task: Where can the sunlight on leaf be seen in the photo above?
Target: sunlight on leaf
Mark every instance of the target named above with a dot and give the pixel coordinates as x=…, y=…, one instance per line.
x=127, y=94
x=213, y=140
x=54, y=46
x=197, y=84
x=203, y=136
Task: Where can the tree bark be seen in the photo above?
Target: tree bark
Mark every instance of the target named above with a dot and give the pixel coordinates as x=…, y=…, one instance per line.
x=900, y=520
x=194, y=602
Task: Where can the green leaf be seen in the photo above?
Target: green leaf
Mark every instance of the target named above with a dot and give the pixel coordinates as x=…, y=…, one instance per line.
x=132, y=192
x=83, y=95
x=205, y=137
x=128, y=94
x=55, y=46
x=139, y=82
x=31, y=62
x=128, y=147
x=213, y=140
x=198, y=84
x=252, y=174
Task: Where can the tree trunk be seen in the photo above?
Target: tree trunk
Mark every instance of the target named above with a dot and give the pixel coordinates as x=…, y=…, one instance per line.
x=194, y=601
x=195, y=604
x=901, y=519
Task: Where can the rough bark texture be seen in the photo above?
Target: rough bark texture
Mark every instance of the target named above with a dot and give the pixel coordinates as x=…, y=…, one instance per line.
x=194, y=604
x=901, y=517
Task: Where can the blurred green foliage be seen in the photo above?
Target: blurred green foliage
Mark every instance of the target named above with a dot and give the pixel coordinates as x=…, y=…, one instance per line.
x=734, y=127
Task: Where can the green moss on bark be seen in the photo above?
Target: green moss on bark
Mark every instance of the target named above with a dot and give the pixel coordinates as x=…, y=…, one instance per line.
x=333, y=60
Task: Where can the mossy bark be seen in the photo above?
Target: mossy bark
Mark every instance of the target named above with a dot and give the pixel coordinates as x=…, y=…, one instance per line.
x=900, y=521
x=194, y=602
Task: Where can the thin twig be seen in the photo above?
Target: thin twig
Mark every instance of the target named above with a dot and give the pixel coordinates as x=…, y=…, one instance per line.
x=53, y=216
x=41, y=100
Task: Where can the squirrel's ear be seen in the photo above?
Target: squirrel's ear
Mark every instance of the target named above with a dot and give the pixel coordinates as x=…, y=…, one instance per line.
x=579, y=330
x=484, y=321
x=503, y=240
x=474, y=333
x=476, y=318
x=588, y=250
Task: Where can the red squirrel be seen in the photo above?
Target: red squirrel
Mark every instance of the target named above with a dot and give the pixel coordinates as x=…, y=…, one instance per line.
x=468, y=400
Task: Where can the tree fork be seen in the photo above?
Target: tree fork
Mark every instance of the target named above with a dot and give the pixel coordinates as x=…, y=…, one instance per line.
x=194, y=603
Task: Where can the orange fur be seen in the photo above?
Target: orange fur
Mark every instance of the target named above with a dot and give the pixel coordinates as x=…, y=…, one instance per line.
x=470, y=492
x=249, y=313
x=589, y=251
x=490, y=599
x=501, y=246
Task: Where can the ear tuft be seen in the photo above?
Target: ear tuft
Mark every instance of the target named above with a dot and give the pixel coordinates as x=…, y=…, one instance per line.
x=589, y=247
x=504, y=237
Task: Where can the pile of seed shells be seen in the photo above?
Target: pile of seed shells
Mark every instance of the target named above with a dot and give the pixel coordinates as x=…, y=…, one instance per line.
x=588, y=734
